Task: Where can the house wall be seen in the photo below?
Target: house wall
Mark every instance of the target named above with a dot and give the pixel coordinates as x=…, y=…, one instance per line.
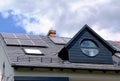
x=77, y=75
x=76, y=55
x=6, y=71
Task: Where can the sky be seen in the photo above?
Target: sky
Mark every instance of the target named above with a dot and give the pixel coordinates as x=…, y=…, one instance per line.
x=67, y=17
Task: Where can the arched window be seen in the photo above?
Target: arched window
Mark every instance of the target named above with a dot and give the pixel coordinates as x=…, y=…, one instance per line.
x=89, y=48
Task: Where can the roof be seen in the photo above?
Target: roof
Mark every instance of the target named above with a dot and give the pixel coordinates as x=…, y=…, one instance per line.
x=15, y=43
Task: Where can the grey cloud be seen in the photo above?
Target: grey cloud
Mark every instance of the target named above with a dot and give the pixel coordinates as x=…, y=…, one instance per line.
x=104, y=14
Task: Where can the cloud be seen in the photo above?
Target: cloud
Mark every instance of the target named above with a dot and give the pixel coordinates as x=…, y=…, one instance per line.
x=66, y=16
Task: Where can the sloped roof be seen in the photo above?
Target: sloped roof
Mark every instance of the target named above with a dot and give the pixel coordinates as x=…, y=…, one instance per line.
x=50, y=58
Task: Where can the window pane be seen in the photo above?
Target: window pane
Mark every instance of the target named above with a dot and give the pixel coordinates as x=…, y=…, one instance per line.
x=88, y=43
x=21, y=78
x=90, y=52
x=89, y=48
x=32, y=51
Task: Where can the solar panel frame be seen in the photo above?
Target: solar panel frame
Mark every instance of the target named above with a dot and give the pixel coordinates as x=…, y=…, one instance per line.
x=40, y=43
x=8, y=35
x=12, y=41
x=67, y=39
x=114, y=45
x=58, y=40
x=22, y=36
x=24, y=42
x=34, y=36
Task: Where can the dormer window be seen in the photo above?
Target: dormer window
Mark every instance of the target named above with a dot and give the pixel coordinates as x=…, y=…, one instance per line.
x=89, y=48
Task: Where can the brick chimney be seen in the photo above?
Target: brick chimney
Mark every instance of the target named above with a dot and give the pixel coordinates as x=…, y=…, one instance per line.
x=52, y=33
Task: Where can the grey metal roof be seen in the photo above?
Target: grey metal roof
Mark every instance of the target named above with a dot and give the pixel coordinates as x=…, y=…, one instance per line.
x=50, y=58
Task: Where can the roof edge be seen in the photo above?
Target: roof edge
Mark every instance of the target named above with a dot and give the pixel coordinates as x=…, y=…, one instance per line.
x=72, y=68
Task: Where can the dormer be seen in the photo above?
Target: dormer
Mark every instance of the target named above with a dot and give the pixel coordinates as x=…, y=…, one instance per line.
x=87, y=47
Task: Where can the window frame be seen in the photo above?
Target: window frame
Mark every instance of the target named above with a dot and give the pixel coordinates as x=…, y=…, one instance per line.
x=84, y=47
x=38, y=51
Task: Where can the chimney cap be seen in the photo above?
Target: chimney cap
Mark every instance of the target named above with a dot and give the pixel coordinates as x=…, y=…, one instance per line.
x=52, y=33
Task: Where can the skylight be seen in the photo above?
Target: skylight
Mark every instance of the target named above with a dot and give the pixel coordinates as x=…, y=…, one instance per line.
x=32, y=51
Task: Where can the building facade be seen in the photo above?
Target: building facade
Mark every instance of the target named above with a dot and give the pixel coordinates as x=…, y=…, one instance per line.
x=85, y=57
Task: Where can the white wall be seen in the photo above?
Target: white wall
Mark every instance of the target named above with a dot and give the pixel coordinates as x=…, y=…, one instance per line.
x=6, y=71
x=78, y=75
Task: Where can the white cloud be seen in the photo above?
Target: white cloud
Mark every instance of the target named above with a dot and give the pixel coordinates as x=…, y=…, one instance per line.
x=66, y=16
x=107, y=33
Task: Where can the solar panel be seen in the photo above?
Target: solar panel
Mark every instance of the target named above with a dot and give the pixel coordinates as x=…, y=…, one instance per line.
x=12, y=41
x=24, y=42
x=58, y=40
x=114, y=45
x=21, y=36
x=40, y=43
x=67, y=39
x=8, y=35
x=34, y=36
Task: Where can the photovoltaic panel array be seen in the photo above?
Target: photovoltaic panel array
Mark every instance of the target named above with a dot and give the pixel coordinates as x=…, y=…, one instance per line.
x=67, y=39
x=24, y=40
x=115, y=45
x=7, y=35
x=39, y=43
x=34, y=36
x=22, y=36
x=59, y=40
x=12, y=41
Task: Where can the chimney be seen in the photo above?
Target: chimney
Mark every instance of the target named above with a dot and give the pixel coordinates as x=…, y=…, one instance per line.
x=52, y=33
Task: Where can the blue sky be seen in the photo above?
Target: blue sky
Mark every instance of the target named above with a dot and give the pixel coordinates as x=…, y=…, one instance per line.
x=8, y=25
x=65, y=16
